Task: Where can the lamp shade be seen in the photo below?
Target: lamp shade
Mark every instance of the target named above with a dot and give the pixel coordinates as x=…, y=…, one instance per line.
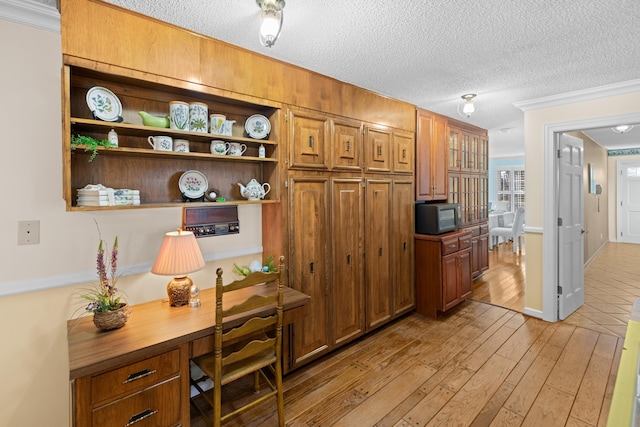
x=179, y=255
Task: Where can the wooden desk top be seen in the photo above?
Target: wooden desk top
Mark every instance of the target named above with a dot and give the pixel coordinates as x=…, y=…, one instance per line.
x=152, y=327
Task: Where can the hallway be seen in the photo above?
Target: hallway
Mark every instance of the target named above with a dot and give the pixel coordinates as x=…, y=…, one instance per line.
x=611, y=283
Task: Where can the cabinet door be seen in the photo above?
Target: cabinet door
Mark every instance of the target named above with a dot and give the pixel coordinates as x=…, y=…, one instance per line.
x=465, y=151
x=483, y=252
x=403, y=243
x=377, y=150
x=464, y=270
x=431, y=157
x=308, y=135
x=403, y=152
x=439, y=159
x=347, y=145
x=308, y=264
x=455, y=138
x=347, y=286
x=377, y=255
x=475, y=256
x=450, y=274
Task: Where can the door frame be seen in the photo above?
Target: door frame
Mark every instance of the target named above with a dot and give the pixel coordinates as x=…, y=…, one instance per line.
x=550, y=205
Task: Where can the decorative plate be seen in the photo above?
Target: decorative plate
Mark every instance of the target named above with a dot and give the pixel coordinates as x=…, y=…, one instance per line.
x=104, y=104
x=193, y=184
x=257, y=126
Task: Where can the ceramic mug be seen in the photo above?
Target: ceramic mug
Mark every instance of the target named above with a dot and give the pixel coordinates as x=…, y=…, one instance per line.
x=181, y=145
x=216, y=123
x=198, y=115
x=219, y=147
x=236, y=149
x=161, y=143
x=179, y=115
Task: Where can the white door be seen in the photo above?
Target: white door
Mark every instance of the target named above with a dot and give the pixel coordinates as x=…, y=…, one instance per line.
x=570, y=225
x=629, y=201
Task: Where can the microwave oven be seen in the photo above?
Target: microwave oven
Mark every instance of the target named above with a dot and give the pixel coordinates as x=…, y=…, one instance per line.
x=437, y=218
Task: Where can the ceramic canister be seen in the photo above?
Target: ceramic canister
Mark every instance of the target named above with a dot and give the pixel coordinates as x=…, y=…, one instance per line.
x=179, y=115
x=198, y=115
x=217, y=123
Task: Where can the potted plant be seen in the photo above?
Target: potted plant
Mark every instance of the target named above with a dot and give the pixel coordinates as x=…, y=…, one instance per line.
x=108, y=308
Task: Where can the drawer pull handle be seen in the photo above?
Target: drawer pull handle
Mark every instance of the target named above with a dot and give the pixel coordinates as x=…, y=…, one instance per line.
x=140, y=416
x=466, y=242
x=452, y=246
x=311, y=141
x=138, y=375
x=348, y=145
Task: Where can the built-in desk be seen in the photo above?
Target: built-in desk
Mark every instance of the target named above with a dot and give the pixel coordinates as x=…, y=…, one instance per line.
x=141, y=370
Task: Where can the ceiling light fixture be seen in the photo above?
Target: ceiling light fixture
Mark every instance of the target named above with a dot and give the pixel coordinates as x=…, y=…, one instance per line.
x=622, y=128
x=467, y=108
x=272, y=16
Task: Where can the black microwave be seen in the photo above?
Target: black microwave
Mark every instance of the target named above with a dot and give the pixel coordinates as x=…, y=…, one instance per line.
x=437, y=218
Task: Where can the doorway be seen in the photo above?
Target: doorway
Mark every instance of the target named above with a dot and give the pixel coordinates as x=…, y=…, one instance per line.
x=628, y=201
x=550, y=236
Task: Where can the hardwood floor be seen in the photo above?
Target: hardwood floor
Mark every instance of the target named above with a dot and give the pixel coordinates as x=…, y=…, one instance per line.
x=480, y=365
x=611, y=285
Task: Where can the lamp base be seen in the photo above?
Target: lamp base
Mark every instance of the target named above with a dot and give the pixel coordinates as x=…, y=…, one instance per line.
x=178, y=290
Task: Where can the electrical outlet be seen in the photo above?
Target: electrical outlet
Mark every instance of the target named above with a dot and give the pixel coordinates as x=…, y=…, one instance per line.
x=28, y=232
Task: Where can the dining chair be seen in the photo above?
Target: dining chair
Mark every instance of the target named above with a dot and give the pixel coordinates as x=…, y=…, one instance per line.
x=252, y=347
x=514, y=232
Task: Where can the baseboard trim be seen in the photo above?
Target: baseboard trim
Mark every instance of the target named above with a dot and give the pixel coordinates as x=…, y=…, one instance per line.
x=533, y=230
x=32, y=285
x=533, y=313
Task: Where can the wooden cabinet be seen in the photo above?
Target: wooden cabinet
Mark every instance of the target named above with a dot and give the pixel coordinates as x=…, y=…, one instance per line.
x=377, y=250
x=308, y=266
x=403, y=152
x=443, y=271
x=135, y=165
x=347, y=145
x=147, y=391
x=431, y=156
x=377, y=150
x=308, y=140
x=402, y=246
x=346, y=288
x=479, y=249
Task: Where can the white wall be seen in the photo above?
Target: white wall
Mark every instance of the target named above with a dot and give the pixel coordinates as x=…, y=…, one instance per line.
x=33, y=360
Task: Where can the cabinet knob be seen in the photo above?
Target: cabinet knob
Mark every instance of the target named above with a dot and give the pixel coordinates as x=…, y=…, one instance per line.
x=311, y=268
x=348, y=259
x=379, y=251
x=404, y=154
x=404, y=246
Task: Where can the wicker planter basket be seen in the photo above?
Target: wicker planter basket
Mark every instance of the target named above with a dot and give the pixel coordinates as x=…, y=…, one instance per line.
x=113, y=319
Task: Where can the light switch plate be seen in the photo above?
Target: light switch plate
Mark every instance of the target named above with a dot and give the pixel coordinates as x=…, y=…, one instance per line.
x=28, y=232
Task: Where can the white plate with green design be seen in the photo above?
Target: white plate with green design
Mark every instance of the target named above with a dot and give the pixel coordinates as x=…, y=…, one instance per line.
x=257, y=126
x=104, y=104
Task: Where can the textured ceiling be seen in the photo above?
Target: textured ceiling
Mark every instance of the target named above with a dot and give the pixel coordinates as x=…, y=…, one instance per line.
x=431, y=52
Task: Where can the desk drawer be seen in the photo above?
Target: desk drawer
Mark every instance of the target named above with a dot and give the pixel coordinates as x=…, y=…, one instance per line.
x=134, y=377
x=464, y=241
x=156, y=406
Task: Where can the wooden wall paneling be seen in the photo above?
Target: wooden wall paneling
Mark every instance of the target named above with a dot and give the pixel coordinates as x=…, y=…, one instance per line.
x=135, y=41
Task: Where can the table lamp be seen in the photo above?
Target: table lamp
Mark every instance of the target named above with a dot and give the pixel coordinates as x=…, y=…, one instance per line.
x=179, y=255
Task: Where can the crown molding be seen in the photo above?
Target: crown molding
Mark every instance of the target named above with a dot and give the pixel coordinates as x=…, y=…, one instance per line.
x=621, y=88
x=31, y=13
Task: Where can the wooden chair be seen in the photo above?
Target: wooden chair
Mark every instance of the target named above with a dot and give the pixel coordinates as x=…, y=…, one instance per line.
x=248, y=348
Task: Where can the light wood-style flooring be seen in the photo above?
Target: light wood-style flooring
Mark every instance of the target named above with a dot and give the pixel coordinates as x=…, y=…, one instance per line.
x=480, y=365
x=611, y=285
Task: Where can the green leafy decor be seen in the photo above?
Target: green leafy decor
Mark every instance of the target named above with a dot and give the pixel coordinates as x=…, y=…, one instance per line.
x=90, y=144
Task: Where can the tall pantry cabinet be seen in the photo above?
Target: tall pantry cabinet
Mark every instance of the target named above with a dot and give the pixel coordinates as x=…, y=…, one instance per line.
x=348, y=217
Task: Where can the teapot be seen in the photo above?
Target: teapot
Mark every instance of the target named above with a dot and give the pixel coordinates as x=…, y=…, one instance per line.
x=254, y=190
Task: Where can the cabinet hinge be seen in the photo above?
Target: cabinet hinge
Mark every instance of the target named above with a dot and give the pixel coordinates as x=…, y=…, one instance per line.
x=286, y=184
x=559, y=222
x=559, y=153
x=559, y=290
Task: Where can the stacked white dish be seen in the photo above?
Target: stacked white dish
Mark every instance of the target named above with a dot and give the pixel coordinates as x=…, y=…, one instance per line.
x=99, y=195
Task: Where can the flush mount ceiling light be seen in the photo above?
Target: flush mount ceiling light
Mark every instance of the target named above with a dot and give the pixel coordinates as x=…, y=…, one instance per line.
x=272, y=16
x=622, y=128
x=467, y=108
